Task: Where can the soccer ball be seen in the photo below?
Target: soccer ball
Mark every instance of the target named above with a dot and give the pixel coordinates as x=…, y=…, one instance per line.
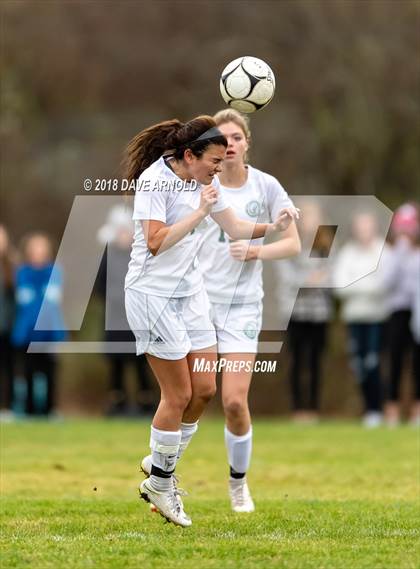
x=247, y=84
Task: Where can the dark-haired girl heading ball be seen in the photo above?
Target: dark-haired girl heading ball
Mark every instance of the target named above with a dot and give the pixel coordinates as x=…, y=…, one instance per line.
x=175, y=166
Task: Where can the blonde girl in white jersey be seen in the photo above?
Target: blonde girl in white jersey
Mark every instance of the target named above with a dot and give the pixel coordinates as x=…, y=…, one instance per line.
x=232, y=273
x=174, y=167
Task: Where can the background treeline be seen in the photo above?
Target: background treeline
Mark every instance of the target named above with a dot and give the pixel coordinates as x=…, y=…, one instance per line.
x=80, y=78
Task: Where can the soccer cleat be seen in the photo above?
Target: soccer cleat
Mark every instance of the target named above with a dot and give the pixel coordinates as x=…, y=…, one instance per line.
x=146, y=465
x=240, y=496
x=167, y=504
x=146, y=468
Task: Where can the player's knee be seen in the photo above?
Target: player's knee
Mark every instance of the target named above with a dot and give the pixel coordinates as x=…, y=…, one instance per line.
x=207, y=392
x=234, y=406
x=180, y=401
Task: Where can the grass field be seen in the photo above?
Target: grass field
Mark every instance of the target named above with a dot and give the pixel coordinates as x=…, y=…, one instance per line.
x=327, y=496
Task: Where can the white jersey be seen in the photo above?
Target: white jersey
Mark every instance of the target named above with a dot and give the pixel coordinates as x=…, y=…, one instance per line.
x=162, y=196
x=227, y=280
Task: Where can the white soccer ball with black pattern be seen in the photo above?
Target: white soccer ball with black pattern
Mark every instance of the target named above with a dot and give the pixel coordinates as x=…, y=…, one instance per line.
x=247, y=84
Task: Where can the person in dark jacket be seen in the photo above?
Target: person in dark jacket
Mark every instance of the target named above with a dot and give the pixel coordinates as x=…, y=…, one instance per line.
x=117, y=233
x=308, y=327
x=7, y=262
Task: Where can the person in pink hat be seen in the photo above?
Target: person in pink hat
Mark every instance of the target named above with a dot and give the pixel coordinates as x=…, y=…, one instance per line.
x=402, y=278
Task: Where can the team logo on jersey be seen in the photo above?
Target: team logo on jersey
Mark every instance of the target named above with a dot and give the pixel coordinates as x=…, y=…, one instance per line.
x=254, y=208
x=250, y=330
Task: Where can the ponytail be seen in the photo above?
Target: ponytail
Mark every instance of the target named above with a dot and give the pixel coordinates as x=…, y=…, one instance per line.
x=147, y=146
x=174, y=136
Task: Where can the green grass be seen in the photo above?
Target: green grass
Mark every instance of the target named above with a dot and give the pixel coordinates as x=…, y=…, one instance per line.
x=327, y=496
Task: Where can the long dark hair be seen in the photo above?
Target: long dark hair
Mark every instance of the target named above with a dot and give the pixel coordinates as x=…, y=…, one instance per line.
x=173, y=135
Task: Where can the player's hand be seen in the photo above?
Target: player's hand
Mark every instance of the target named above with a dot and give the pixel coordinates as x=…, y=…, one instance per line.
x=208, y=198
x=285, y=218
x=243, y=251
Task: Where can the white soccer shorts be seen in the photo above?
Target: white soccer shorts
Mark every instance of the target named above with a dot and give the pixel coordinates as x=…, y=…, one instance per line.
x=237, y=326
x=169, y=328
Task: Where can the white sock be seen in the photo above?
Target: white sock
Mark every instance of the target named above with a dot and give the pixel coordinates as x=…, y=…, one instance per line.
x=164, y=446
x=239, y=449
x=188, y=430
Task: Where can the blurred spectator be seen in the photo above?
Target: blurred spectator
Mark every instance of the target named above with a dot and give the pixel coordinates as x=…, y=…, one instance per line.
x=117, y=233
x=364, y=309
x=7, y=266
x=307, y=328
x=415, y=330
x=38, y=285
x=402, y=279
